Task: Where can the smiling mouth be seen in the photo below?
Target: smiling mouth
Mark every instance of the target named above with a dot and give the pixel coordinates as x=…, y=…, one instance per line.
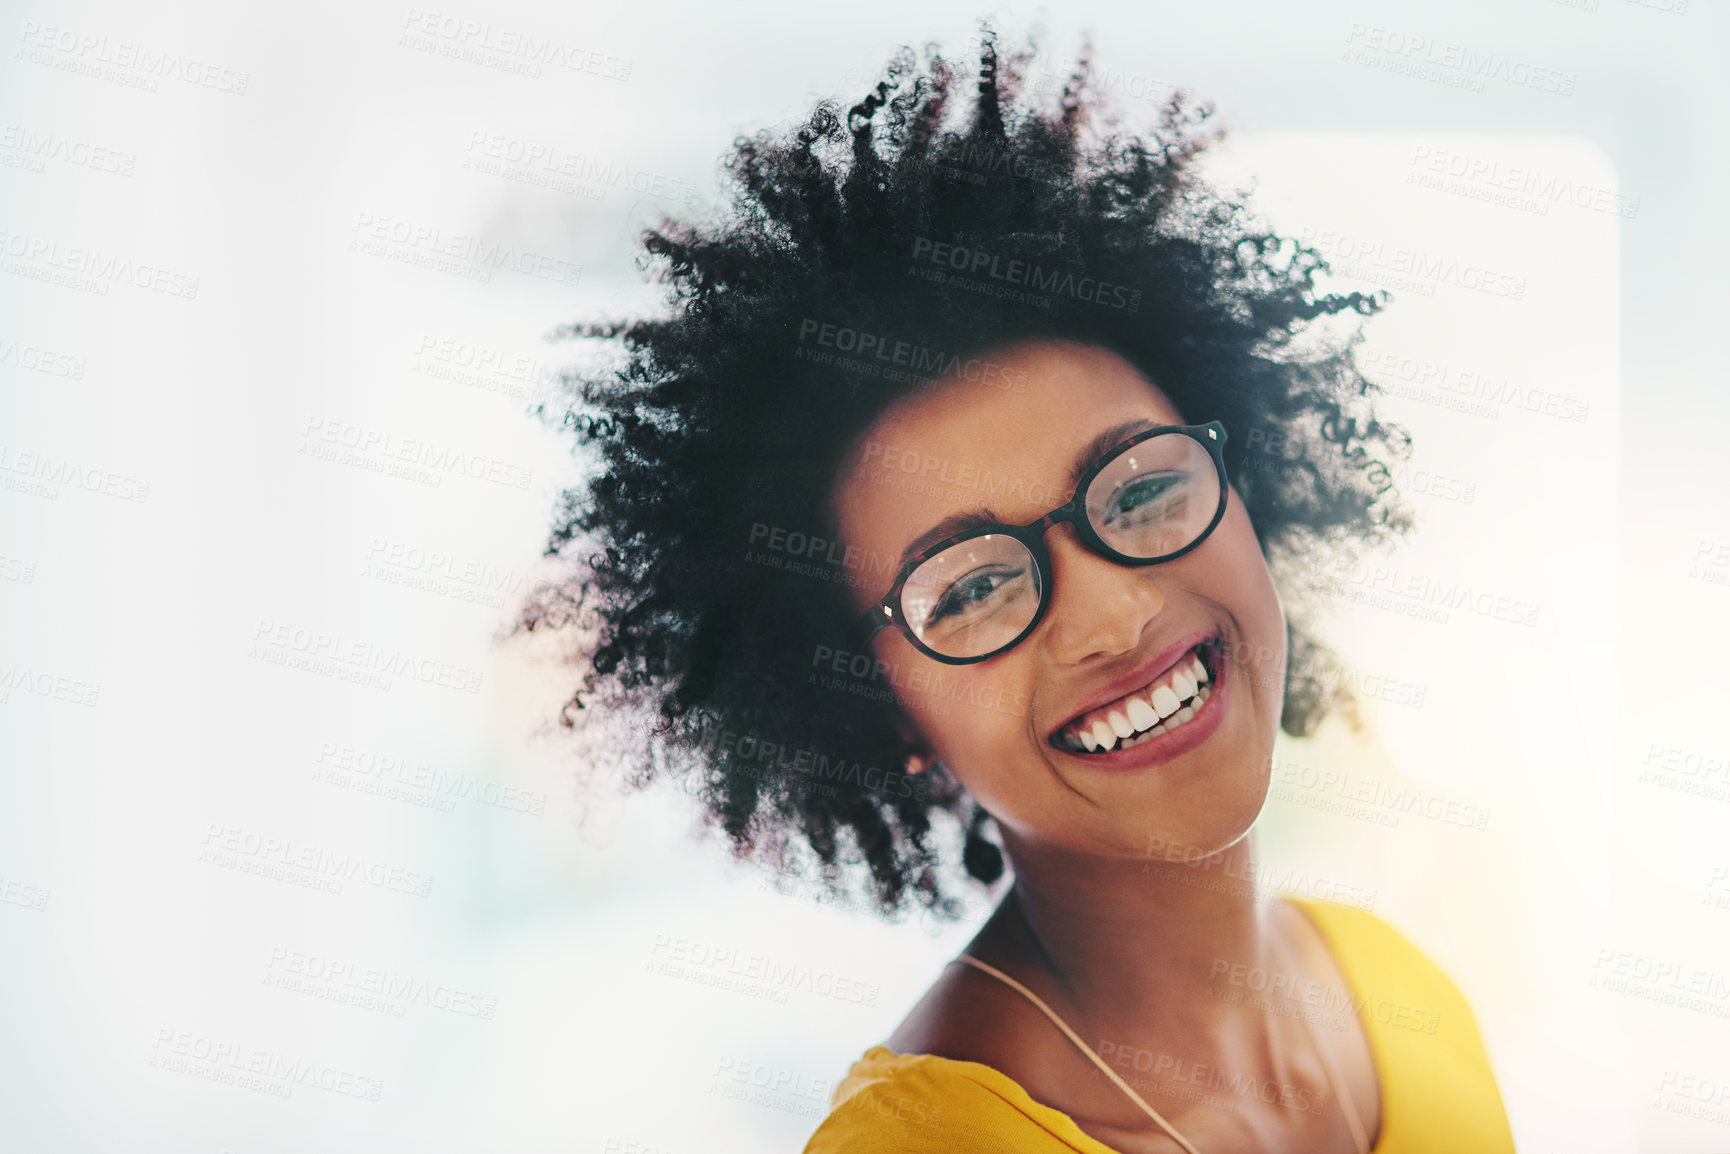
x=1166, y=703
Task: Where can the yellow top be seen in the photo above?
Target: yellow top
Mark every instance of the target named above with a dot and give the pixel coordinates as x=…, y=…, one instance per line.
x=1437, y=1088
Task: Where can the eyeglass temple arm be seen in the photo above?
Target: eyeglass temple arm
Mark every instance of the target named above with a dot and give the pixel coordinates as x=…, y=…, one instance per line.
x=879, y=616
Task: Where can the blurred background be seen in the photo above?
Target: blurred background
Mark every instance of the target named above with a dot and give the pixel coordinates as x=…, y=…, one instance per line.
x=292, y=855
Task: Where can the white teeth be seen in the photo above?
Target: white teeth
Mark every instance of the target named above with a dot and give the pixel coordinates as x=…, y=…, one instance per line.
x=1183, y=685
x=1103, y=736
x=1141, y=717
x=1141, y=714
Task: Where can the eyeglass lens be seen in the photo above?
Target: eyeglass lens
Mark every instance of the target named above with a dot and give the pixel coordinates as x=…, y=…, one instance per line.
x=978, y=595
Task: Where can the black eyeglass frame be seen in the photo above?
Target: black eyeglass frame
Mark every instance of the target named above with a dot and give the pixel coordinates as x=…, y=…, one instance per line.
x=888, y=612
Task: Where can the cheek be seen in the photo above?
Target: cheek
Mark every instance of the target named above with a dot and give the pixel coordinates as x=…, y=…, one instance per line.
x=1261, y=596
x=965, y=712
x=1267, y=651
x=1249, y=592
x=1248, y=566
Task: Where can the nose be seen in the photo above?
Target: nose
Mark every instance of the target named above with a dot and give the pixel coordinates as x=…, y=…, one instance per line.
x=1098, y=608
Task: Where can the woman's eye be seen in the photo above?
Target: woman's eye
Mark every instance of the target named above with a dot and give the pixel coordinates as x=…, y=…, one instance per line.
x=970, y=592
x=1145, y=497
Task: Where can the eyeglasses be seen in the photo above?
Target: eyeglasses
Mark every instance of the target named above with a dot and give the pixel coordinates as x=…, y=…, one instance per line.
x=1152, y=498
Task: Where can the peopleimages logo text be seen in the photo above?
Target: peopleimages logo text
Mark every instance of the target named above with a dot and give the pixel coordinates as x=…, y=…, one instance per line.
x=977, y=262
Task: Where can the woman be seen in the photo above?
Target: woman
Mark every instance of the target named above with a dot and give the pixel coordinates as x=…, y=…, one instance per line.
x=932, y=516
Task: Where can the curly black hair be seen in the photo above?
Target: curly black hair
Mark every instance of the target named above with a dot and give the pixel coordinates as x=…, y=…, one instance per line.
x=699, y=570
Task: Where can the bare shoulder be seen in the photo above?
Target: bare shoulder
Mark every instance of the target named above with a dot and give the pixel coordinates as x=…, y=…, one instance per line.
x=968, y=1015
x=962, y=1016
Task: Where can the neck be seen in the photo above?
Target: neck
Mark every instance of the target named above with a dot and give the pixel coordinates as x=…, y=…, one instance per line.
x=1140, y=941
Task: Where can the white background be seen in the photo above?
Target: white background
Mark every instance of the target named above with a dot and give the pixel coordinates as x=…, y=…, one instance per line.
x=147, y=724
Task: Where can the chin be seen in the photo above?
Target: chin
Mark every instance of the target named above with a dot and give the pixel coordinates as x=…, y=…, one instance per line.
x=1210, y=834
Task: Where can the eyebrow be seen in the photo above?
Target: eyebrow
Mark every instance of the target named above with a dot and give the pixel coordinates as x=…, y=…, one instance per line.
x=973, y=518
x=1105, y=442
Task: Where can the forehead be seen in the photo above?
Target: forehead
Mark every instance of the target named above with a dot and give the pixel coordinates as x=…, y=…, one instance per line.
x=1002, y=437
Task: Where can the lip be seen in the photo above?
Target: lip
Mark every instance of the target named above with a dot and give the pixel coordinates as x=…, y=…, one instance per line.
x=1156, y=667
x=1172, y=743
